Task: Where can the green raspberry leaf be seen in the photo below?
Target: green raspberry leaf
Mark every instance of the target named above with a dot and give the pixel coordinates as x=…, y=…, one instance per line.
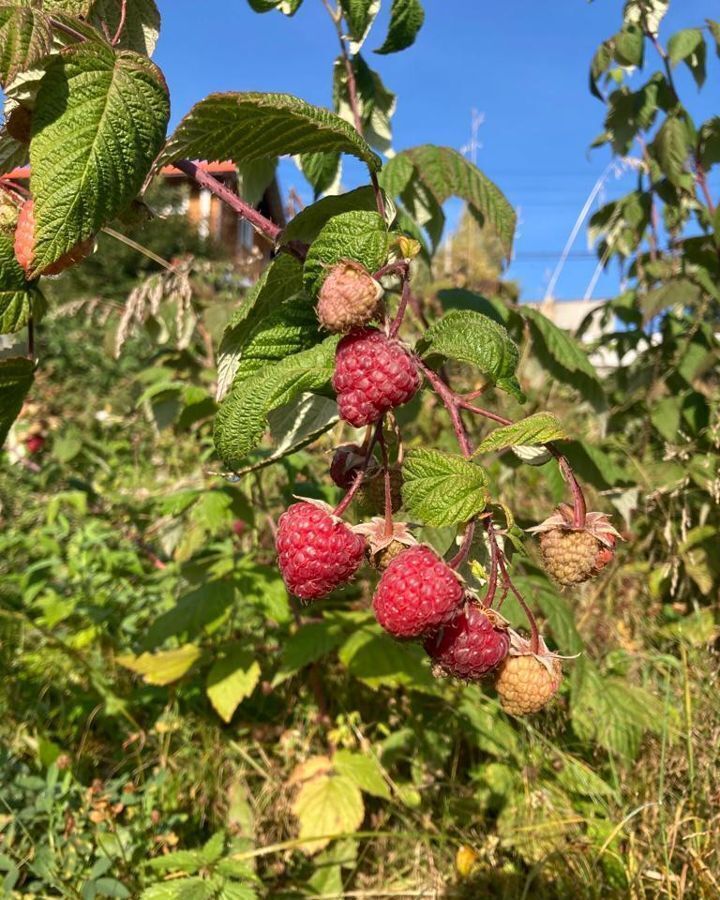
x=308, y=222
x=473, y=338
x=535, y=430
x=360, y=236
x=286, y=7
x=245, y=127
x=406, y=20
x=322, y=170
x=16, y=294
x=99, y=122
x=243, y=416
x=16, y=378
x=563, y=357
x=231, y=679
x=142, y=23
x=25, y=39
x=427, y=176
x=261, y=330
x=359, y=16
x=442, y=488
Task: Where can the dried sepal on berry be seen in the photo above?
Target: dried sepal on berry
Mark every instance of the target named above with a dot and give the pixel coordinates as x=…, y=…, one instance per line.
x=527, y=681
x=383, y=548
x=349, y=297
x=347, y=461
x=571, y=554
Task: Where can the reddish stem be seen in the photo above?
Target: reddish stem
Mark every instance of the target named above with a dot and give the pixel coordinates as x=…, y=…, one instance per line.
x=534, y=633
x=480, y=411
x=449, y=400
x=262, y=225
x=465, y=547
x=579, y=504
x=388, y=485
x=121, y=23
x=701, y=179
x=400, y=314
x=355, y=486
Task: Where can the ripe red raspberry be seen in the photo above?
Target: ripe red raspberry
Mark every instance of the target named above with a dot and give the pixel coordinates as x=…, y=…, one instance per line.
x=373, y=374
x=470, y=646
x=317, y=552
x=349, y=297
x=417, y=594
x=347, y=461
x=25, y=245
x=34, y=443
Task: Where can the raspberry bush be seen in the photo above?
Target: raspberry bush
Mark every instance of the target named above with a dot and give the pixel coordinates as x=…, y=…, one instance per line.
x=449, y=485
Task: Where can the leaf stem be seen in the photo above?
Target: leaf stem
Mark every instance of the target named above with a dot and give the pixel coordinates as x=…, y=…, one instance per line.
x=355, y=486
x=400, y=314
x=121, y=23
x=465, y=546
x=388, y=484
x=534, y=633
x=450, y=401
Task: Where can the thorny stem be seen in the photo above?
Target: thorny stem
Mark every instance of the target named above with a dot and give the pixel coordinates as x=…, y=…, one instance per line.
x=336, y=16
x=355, y=487
x=388, y=485
x=121, y=23
x=269, y=230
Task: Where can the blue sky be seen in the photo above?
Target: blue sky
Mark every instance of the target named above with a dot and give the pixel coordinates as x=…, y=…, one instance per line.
x=522, y=64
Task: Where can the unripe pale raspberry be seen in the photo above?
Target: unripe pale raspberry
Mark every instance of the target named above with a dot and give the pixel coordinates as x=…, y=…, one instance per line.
x=469, y=647
x=417, y=594
x=373, y=374
x=525, y=684
x=25, y=245
x=569, y=556
x=317, y=552
x=572, y=554
x=349, y=297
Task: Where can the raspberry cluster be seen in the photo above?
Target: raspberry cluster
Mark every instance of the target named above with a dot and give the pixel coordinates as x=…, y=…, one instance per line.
x=419, y=596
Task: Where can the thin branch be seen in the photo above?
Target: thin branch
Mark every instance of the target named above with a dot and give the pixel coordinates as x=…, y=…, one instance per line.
x=121, y=23
x=67, y=29
x=388, y=484
x=355, y=486
x=400, y=314
x=534, y=633
x=129, y=242
x=450, y=402
x=702, y=182
x=465, y=546
x=269, y=230
x=494, y=553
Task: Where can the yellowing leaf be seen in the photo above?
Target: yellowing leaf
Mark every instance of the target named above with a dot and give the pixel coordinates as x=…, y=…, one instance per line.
x=162, y=668
x=231, y=680
x=327, y=805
